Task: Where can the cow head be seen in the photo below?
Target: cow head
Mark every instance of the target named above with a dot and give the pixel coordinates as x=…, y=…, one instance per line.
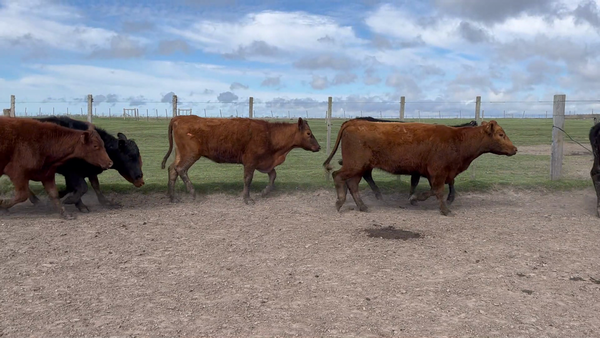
x=499, y=143
x=91, y=149
x=305, y=138
x=127, y=160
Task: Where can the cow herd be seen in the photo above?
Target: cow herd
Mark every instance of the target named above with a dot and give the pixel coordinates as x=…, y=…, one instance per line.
x=37, y=149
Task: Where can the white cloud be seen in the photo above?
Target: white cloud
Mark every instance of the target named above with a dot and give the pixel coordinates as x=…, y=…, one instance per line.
x=287, y=31
x=42, y=22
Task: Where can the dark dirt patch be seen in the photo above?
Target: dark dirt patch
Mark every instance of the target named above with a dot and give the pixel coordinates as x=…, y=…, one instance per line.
x=392, y=233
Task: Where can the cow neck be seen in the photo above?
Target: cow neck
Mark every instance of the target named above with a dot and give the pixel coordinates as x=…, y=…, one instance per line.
x=62, y=146
x=282, y=136
x=111, y=143
x=472, y=140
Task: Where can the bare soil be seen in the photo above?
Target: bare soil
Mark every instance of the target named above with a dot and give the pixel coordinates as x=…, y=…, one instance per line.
x=508, y=264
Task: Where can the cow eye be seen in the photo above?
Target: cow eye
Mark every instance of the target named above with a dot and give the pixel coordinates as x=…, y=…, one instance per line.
x=308, y=134
x=501, y=135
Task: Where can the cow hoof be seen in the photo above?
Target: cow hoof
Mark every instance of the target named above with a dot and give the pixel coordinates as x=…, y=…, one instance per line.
x=363, y=208
x=447, y=212
x=597, y=211
x=249, y=201
x=412, y=200
x=338, y=205
x=68, y=216
x=378, y=197
x=114, y=205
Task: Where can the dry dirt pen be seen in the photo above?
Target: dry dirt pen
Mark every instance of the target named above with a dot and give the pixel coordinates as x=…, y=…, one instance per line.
x=509, y=263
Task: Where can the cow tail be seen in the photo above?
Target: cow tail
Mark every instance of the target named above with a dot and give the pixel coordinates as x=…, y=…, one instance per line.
x=170, y=145
x=326, y=164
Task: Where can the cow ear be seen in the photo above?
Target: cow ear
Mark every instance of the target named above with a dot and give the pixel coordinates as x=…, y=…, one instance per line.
x=301, y=123
x=122, y=140
x=490, y=127
x=85, y=137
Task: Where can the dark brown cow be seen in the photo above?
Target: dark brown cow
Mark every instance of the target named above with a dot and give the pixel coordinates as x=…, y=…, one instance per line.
x=33, y=150
x=595, y=172
x=437, y=152
x=258, y=145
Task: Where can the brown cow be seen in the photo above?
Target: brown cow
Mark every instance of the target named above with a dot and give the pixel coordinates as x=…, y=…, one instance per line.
x=437, y=152
x=258, y=145
x=33, y=150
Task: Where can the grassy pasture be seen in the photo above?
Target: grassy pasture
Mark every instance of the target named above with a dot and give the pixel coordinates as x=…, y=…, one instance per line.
x=303, y=170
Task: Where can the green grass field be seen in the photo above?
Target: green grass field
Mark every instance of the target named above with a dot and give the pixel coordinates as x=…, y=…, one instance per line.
x=303, y=170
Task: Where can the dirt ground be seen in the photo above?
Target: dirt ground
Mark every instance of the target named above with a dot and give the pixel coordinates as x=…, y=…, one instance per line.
x=508, y=264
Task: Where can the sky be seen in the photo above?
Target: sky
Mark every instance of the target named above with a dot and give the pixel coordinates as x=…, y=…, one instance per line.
x=290, y=56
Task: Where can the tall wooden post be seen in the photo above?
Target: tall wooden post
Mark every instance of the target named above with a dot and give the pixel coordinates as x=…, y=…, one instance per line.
x=251, y=107
x=558, y=120
x=174, y=105
x=12, y=106
x=90, y=100
x=402, y=102
x=477, y=109
x=329, y=106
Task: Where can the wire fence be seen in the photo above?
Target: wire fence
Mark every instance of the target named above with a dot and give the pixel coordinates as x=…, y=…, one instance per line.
x=341, y=108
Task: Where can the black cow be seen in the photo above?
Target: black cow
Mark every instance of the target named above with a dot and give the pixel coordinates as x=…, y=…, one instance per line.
x=123, y=152
x=414, y=178
x=595, y=172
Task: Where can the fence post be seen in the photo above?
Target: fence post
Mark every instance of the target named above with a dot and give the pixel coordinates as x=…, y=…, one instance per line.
x=477, y=109
x=174, y=105
x=402, y=102
x=12, y=106
x=558, y=120
x=329, y=106
x=90, y=100
x=251, y=107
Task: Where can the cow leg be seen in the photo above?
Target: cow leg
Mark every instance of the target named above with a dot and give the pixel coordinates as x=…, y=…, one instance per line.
x=248, y=174
x=437, y=188
x=368, y=176
x=353, y=186
x=101, y=198
x=79, y=188
x=596, y=180
x=172, y=179
x=33, y=198
x=21, y=193
x=272, y=175
x=179, y=168
x=414, y=182
x=451, y=193
x=50, y=186
x=188, y=183
x=341, y=189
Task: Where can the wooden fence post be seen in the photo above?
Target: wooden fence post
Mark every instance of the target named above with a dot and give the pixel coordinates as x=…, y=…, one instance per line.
x=90, y=100
x=174, y=105
x=402, y=102
x=329, y=107
x=477, y=109
x=12, y=106
x=251, y=107
x=558, y=120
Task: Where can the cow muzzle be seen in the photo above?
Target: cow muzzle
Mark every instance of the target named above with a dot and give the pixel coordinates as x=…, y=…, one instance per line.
x=108, y=165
